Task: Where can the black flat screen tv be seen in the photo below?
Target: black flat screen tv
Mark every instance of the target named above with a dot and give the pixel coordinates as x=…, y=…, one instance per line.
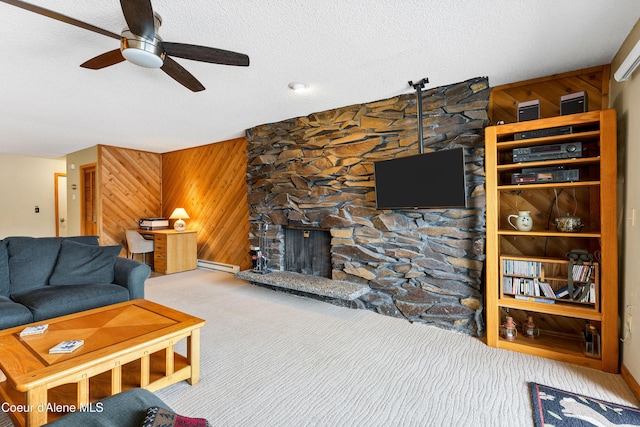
x=422, y=181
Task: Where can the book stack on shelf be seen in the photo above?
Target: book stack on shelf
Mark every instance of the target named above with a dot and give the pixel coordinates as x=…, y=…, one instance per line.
x=523, y=288
x=522, y=268
x=524, y=280
x=521, y=279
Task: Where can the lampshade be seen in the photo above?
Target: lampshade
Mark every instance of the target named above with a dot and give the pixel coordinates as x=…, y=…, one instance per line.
x=179, y=214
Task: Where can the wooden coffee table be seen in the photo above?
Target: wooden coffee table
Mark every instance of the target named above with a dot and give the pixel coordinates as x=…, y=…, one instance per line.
x=126, y=345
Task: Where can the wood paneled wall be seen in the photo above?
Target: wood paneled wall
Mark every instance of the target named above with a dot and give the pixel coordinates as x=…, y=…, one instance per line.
x=130, y=189
x=210, y=183
x=594, y=81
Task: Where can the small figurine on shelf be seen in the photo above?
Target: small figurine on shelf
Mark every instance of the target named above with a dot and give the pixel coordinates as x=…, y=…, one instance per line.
x=530, y=329
x=509, y=330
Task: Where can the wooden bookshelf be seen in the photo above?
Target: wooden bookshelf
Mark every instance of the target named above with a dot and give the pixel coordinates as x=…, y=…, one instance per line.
x=592, y=197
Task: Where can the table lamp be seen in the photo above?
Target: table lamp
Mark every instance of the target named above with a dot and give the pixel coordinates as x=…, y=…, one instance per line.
x=179, y=214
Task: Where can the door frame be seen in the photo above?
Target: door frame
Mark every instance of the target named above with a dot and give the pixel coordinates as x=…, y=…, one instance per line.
x=56, y=189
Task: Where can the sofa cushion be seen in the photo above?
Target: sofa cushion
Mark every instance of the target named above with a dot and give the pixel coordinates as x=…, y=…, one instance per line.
x=4, y=269
x=13, y=314
x=50, y=301
x=32, y=259
x=79, y=264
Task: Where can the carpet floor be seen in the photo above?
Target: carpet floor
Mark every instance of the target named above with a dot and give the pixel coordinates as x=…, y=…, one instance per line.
x=276, y=359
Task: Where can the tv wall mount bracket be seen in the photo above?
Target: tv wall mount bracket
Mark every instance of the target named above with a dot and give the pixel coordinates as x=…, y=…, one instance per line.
x=418, y=86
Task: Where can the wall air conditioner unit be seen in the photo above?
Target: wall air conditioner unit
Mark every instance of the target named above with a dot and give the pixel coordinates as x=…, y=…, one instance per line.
x=629, y=64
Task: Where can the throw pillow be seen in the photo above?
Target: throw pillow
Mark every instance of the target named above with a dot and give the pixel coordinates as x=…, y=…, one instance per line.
x=160, y=417
x=80, y=264
x=32, y=259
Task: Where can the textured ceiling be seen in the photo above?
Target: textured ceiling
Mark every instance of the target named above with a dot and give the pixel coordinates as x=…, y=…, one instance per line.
x=347, y=52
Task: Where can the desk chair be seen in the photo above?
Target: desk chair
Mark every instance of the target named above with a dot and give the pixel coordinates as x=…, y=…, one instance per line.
x=136, y=244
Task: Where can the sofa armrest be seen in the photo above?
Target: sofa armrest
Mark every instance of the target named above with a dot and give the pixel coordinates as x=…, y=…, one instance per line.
x=131, y=274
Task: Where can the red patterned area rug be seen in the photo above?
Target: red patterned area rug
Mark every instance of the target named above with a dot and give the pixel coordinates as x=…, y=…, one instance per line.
x=559, y=408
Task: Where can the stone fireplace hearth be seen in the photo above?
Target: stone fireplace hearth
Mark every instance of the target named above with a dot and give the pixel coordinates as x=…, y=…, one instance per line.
x=316, y=172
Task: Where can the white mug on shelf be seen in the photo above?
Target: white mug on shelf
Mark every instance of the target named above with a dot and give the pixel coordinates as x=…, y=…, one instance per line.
x=524, y=222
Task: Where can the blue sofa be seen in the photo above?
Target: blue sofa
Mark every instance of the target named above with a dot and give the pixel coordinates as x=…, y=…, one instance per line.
x=46, y=277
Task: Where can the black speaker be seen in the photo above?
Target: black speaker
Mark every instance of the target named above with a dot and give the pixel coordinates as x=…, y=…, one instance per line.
x=573, y=103
x=529, y=110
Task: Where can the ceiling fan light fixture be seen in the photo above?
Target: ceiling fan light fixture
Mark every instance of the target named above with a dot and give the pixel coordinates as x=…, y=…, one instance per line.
x=141, y=44
x=142, y=53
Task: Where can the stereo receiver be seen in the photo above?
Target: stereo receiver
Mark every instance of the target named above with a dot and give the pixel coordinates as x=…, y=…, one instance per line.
x=547, y=152
x=542, y=175
x=542, y=133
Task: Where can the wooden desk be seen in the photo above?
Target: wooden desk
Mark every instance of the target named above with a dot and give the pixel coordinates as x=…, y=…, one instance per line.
x=173, y=251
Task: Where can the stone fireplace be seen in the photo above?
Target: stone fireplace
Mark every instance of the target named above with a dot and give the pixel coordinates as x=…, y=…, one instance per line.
x=316, y=173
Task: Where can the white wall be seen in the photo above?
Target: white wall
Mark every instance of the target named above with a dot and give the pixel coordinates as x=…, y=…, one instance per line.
x=27, y=182
x=625, y=98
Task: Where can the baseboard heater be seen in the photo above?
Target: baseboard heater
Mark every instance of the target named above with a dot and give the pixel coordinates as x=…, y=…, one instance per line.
x=217, y=266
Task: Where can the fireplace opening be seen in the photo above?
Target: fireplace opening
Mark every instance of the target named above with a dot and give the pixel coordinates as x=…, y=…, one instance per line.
x=307, y=251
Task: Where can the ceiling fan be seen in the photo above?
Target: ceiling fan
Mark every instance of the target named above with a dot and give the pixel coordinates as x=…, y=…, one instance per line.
x=141, y=44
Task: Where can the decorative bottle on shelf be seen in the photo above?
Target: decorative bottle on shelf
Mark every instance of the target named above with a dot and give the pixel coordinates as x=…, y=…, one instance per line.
x=530, y=329
x=509, y=330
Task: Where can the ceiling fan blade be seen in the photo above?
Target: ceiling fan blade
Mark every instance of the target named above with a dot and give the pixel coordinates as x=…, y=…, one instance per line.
x=60, y=17
x=105, y=60
x=205, y=54
x=182, y=76
x=139, y=17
